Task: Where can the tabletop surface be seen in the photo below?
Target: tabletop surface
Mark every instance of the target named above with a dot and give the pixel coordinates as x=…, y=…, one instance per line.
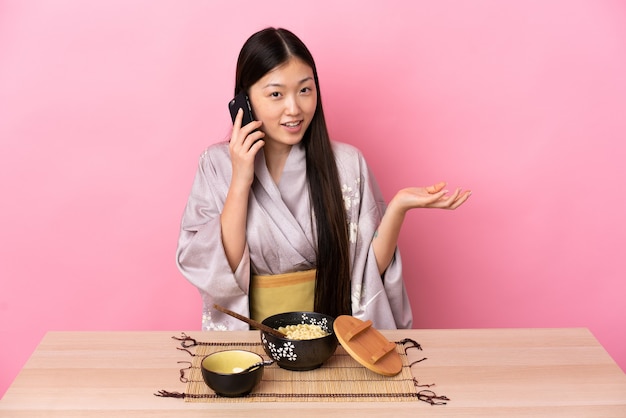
x=484, y=372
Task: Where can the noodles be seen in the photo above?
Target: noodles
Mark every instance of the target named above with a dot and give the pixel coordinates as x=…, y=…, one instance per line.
x=303, y=331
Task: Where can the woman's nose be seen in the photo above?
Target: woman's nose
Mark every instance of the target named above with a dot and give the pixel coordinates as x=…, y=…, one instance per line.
x=292, y=107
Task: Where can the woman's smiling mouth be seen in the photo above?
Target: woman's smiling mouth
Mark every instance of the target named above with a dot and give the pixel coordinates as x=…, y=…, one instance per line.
x=293, y=127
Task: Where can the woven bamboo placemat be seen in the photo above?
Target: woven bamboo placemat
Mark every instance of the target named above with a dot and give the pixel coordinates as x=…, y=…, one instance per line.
x=340, y=379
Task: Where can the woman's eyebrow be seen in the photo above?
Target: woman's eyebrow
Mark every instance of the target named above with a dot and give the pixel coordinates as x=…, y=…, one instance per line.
x=304, y=80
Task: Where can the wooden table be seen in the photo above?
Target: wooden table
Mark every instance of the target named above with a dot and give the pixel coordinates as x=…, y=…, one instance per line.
x=485, y=373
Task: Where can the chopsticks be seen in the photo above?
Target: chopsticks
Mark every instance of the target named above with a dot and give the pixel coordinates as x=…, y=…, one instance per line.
x=252, y=322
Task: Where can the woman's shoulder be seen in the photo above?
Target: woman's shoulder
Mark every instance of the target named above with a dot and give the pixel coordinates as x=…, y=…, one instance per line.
x=215, y=158
x=346, y=151
x=216, y=149
x=350, y=162
x=215, y=153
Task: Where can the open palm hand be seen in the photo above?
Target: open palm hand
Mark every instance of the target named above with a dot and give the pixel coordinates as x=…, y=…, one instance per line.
x=435, y=196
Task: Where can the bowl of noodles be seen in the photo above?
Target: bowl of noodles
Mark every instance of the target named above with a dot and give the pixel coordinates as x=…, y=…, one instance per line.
x=310, y=340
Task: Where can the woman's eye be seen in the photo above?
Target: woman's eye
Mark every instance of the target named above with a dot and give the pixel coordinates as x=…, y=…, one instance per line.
x=305, y=90
x=274, y=94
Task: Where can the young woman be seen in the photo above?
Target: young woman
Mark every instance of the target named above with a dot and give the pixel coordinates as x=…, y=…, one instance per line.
x=281, y=219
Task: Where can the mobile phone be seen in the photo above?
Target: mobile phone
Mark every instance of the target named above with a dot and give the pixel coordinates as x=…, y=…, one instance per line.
x=241, y=101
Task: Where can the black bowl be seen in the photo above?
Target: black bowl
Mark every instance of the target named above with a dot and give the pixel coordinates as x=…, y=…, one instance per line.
x=299, y=355
x=221, y=371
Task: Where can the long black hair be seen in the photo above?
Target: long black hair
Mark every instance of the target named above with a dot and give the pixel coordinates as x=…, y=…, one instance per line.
x=263, y=52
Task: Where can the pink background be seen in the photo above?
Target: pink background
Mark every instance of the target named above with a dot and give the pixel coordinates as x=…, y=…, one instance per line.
x=105, y=107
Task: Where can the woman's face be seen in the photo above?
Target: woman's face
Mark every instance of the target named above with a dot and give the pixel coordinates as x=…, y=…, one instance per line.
x=285, y=100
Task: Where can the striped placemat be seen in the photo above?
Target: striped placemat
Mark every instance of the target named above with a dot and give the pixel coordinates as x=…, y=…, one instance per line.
x=340, y=379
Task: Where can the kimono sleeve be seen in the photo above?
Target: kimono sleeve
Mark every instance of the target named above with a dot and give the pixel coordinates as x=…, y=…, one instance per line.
x=200, y=255
x=381, y=299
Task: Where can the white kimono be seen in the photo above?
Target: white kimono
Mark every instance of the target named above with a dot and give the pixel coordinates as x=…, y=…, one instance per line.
x=281, y=237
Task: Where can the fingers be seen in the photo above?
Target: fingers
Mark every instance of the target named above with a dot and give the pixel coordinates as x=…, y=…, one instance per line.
x=436, y=188
x=245, y=136
x=461, y=199
x=244, y=130
x=455, y=200
x=237, y=124
x=238, y=118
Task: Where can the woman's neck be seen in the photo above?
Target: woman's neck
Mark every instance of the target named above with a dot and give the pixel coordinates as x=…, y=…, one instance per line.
x=275, y=158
